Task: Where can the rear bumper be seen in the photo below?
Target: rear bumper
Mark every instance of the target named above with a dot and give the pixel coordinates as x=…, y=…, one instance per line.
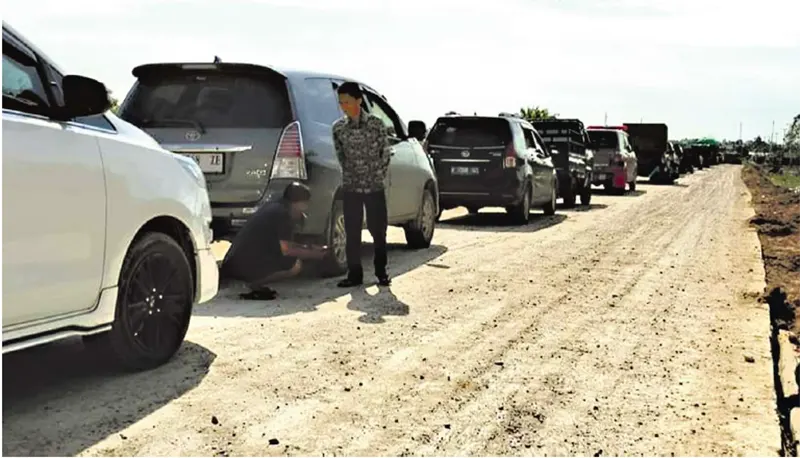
x=494, y=198
x=613, y=176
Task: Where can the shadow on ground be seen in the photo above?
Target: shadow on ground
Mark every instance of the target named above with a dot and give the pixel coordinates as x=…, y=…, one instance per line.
x=376, y=307
x=306, y=293
x=62, y=398
x=501, y=222
x=603, y=192
x=582, y=208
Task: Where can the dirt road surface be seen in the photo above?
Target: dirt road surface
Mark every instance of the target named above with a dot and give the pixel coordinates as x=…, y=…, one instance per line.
x=630, y=328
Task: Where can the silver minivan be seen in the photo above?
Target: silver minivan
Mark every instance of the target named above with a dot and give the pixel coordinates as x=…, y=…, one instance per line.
x=254, y=129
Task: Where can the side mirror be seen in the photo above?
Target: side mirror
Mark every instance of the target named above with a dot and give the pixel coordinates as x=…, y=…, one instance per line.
x=417, y=129
x=83, y=97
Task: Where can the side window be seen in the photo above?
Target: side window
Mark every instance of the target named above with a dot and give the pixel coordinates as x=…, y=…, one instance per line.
x=321, y=100
x=22, y=84
x=385, y=113
x=529, y=141
x=542, y=144
x=518, y=134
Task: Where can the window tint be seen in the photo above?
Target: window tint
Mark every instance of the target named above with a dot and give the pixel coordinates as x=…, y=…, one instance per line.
x=210, y=99
x=98, y=121
x=542, y=144
x=385, y=113
x=22, y=84
x=604, y=138
x=453, y=131
x=322, y=103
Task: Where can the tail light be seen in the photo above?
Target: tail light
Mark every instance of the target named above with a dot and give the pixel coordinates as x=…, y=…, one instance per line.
x=510, y=160
x=290, y=161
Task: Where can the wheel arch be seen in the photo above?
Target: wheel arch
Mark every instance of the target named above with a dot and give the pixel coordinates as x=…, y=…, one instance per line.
x=176, y=230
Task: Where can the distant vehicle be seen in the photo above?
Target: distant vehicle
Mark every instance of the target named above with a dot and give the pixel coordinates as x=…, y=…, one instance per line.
x=254, y=129
x=615, y=162
x=486, y=161
x=650, y=142
x=572, y=155
x=674, y=159
x=106, y=235
x=685, y=158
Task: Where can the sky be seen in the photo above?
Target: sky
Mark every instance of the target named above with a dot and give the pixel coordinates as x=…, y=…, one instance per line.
x=704, y=67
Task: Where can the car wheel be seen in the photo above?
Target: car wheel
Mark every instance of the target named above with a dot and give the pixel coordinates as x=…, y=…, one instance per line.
x=419, y=233
x=521, y=212
x=335, y=263
x=569, y=195
x=586, y=194
x=550, y=207
x=154, y=303
x=632, y=186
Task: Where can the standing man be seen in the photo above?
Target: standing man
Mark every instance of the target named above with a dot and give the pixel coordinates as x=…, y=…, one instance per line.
x=263, y=252
x=362, y=146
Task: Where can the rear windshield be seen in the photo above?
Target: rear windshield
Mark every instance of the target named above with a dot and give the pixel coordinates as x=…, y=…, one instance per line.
x=470, y=132
x=604, y=138
x=210, y=100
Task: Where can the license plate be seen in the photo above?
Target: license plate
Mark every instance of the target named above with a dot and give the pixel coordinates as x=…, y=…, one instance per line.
x=465, y=171
x=209, y=162
x=601, y=176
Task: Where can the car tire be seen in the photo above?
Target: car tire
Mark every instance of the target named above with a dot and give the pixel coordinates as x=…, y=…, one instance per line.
x=154, y=303
x=550, y=207
x=335, y=263
x=521, y=212
x=569, y=195
x=419, y=233
x=586, y=194
x=632, y=186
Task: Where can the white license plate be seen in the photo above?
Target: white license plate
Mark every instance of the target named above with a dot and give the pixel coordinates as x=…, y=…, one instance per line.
x=465, y=171
x=209, y=162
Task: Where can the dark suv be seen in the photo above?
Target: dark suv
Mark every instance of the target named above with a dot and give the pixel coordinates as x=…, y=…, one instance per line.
x=254, y=129
x=572, y=157
x=484, y=161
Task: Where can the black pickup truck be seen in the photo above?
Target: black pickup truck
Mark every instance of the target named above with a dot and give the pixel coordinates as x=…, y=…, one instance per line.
x=572, y=157
x=650, y=142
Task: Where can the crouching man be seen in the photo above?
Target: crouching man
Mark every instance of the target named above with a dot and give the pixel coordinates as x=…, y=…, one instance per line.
x=263, y=251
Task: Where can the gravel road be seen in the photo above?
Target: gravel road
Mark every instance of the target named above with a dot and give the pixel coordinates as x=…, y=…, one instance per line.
x=630, y=328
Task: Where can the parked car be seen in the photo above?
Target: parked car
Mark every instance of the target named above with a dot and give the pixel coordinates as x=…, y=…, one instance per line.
x=492, y=161
x=254, y=129
x=572, y=156
x=673, y=156
x=106, y=235
x=615, y=163
x=685, y=158
x=651, y=144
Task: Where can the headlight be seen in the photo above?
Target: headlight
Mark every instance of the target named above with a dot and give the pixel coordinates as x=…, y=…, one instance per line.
x=193, y=169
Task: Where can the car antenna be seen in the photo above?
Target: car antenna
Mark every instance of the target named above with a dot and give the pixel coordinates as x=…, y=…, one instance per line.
x=217, y=60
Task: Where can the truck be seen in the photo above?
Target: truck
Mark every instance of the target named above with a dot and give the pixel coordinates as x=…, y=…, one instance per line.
x=572, y=156
x=650, y=142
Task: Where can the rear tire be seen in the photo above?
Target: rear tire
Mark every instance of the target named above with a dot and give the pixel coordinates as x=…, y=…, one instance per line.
x=419, y=233
x=586, y=194
x=154, y=303
x=521, y=212
x=569, y=195
x=335, y=263
x=632, y=186
x=550, y=207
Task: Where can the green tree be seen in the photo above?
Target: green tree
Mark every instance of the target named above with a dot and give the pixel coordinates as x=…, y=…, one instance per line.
x=536, y=113
x=114, y=102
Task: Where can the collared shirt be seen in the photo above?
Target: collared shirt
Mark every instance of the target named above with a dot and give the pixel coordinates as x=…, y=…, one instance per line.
x=362, y=147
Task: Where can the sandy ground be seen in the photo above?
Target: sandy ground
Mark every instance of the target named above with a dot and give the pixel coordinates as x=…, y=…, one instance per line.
x=631, y=328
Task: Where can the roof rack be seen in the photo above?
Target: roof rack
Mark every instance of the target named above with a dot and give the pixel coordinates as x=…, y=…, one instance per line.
x=509, y=115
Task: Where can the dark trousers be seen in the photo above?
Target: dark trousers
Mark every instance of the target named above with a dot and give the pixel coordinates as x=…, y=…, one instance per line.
x=354, y=204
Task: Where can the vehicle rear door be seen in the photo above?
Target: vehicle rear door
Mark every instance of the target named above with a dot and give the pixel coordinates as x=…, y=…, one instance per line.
x=607, y=146
x=468, y=153
x=227, y=117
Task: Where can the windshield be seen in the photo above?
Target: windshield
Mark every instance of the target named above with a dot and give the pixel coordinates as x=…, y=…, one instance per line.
x=208, y=101
x=604, y=138
x=475, y=132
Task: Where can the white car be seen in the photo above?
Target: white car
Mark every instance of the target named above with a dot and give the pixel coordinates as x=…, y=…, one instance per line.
x=105, y=234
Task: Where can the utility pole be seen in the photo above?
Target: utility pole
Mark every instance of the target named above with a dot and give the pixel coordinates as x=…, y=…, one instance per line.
x=740, y=130
x=605, y=120
x=772, y=137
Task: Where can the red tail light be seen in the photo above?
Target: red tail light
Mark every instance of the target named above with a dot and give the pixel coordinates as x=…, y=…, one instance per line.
x=510, y=160
x=290, y=161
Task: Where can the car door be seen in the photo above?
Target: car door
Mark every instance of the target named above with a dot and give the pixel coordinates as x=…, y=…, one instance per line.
x=531, y=158
x=54, y=207
x=405, y=183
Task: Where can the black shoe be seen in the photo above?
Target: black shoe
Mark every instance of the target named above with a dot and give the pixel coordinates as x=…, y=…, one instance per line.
x=384, y=280
x=265, y=294
x=349, y=283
